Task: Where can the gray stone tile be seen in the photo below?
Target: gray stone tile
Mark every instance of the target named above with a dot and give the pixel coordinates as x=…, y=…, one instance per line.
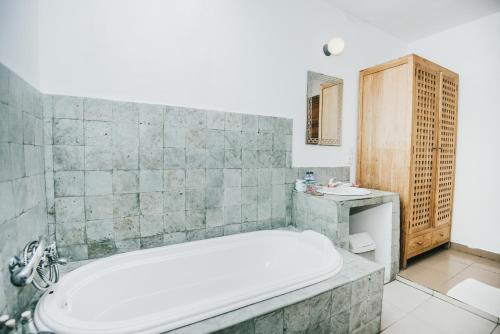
x=249, y=177
x=196, y=157
x=68, y=157
x=248, y=213
x=74, y=252
x=69, y=209
x=68, y=184
x=127, y=245
x=151, y=203
x=359, y=290
x=98, y=158
x=215, y=119
x=195, y=220
x=215, y=158
x=265, y=159
x=233, y=121
x=215, y=197
x=48, y=136
x=232, y=177
x=249, y=195
x=16, y=126
x=232, y=229
x=125, y=205
x=33, y=160
x=98, y=183
x=232, y=158
x=340, y=323
x=246, y=327
x=196, y=138
x=101, y=249
x=151, y=158
x=98, y=133
x=232, y=214
x=175, y=158
x=296, y=317
x=279, y=159
x=232, y=140
x=98, y=207
x=4, y=123
x=126, y=228
x=175, y=116
x=67, y=107
x=249, y=141
x=70, y=233
x=196, y=119
x=174, y=178
x=321, y=308
x=214, y=217
x=152, y=241
x=249, y=159
x=5, y=162
x=214, y=232
x=215, y=139
x=264, y=176
x=174, y=238
x=278, y=176
x=175, y=137
x=265, y=141
x=151, y=136
x=17, y=160
x=195, y=178
x=68, y=132
x=151, y=114
x=97, y=110
x=125, y=112
x=250, y=123
x=194, y=235
x=151, y=225
x=357, y=316
x=7, y=209
x=214, y=177
x=374, y=306
x=126, y=157
x=266, y=124
x=195, y=199
x=151, y=180
x=174, y=200
x=232, y=196
x=99, y=230
x=174, y=221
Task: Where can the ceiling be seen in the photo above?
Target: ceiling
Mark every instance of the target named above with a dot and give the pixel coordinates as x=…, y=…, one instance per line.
x=414, y=19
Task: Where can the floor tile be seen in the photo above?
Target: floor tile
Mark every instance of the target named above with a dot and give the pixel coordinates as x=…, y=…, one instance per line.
x=425, y=276
x=403, y=297
x=390, y=314
x=451, y=319
x=445, y=264
x=475, y=271
x=412, y=325
x=489, y=265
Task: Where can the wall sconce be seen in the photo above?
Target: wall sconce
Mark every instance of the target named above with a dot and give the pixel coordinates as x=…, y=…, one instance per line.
x=335, y=46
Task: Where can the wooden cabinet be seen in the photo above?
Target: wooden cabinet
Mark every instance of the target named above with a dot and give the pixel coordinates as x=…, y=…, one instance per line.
x=406, y=144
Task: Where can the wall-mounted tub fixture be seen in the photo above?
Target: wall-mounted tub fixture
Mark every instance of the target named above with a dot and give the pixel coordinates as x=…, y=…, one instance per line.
x=37, y=265
x=334, y=47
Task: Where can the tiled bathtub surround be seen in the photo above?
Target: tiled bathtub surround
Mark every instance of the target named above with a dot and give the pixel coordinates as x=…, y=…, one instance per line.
x=22, y=184
x=350, y=302
x=129, y=176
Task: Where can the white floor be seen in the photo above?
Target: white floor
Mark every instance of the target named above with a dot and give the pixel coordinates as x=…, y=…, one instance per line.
x=407, y=310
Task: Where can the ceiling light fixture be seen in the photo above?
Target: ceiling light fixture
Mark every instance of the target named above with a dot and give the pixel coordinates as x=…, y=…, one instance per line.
x=334, y=47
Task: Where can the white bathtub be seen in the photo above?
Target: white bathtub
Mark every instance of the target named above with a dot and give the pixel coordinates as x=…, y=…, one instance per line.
x=160, y=289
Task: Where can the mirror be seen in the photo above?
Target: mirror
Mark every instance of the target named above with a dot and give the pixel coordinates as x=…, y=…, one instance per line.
x=324, y=109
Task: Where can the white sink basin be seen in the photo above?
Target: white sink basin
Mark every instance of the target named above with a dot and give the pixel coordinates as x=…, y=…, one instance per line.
x=345, y=191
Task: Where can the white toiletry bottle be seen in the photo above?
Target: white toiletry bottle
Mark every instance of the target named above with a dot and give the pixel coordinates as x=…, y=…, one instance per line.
x=3, y=320
x=10, y=326
x=27, y=323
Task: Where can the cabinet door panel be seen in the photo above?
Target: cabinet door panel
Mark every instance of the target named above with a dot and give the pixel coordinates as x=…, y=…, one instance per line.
x=445, y=167
x=424, y=146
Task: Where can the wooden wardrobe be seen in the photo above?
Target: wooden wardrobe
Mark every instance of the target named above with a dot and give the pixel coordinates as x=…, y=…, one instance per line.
x=406, y=144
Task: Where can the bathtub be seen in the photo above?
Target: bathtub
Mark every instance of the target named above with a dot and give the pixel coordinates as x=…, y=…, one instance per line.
x=160, y=289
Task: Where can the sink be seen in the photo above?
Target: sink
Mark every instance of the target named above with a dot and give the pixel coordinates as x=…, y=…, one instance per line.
x=344, y=191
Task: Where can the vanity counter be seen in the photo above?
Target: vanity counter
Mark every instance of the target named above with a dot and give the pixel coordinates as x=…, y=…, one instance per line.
x=331, y=215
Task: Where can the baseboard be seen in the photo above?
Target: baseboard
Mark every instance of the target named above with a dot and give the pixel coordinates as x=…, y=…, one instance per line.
x=475, y=251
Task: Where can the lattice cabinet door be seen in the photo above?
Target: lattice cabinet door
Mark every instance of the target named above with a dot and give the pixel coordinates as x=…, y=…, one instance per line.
x=445, y=167
x=426, y=83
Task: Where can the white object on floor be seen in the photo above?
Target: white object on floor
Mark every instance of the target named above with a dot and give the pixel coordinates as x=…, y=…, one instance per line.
x=361, y=242
x=478, y=294
x=345, y=191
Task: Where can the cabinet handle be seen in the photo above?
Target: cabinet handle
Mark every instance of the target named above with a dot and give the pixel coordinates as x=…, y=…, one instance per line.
x=420, y=243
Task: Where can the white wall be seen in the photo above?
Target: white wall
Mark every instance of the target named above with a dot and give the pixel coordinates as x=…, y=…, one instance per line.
x=242, y=56
x=473, y=50
x=19, y=38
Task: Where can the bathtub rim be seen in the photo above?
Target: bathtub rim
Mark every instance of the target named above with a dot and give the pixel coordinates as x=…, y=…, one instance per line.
x=125, y=326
